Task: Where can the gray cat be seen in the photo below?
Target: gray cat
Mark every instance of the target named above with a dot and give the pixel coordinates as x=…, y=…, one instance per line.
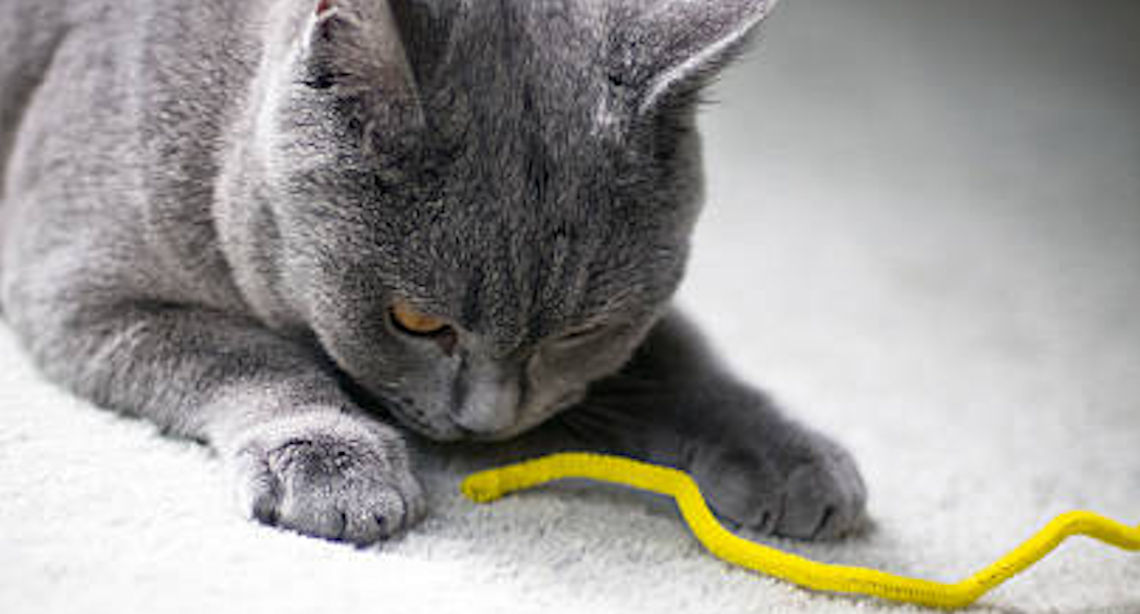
x=290, y=228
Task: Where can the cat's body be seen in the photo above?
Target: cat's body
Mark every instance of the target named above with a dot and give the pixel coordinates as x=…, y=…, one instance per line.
x=254, y=223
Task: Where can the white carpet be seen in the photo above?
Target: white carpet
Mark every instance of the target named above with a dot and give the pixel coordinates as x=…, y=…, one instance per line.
x=923, y=234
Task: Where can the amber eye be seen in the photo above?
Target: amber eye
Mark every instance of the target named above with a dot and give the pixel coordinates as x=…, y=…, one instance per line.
x=413, y=322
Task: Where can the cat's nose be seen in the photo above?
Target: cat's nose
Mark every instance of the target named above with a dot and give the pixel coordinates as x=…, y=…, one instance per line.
x=488, y=404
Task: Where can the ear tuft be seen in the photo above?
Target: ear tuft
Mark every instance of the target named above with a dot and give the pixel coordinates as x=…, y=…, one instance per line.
x=670, y=49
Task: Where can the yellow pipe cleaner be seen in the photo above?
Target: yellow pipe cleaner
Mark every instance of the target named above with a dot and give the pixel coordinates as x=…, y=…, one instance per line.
x=494, y=483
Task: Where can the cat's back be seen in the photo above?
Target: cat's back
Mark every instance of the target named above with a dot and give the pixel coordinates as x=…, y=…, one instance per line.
x=48, y=50
x=108, y=109
x=81, y=73
x=30, y=31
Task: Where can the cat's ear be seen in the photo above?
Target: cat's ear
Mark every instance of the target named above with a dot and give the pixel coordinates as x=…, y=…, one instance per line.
x=358, y=46
x=669, y=49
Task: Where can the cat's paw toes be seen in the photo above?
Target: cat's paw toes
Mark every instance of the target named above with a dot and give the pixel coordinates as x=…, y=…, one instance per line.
x=812, y=492
x=338, y=481
x=823, y=499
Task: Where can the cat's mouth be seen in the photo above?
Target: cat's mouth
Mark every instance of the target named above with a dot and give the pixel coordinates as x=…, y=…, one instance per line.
x=404, y=411
x=530, y=419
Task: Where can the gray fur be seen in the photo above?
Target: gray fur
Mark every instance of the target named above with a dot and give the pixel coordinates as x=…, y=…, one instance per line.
x=209, y=209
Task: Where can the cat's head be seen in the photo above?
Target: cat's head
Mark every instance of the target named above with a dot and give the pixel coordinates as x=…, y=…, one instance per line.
x=481, y=206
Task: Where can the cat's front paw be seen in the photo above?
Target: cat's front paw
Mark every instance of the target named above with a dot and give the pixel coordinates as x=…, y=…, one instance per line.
x=329, y=476
x=807, y=487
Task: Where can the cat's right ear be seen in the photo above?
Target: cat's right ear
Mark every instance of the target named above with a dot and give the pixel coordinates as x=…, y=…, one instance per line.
x=667, y=50
x=356, y=47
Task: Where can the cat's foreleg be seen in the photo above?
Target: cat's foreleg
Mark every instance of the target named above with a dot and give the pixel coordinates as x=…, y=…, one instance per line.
x=304, y=457
x=674, y=404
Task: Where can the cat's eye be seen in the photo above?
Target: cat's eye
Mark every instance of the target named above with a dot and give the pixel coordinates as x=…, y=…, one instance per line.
x=409, y=320
x=413, y=322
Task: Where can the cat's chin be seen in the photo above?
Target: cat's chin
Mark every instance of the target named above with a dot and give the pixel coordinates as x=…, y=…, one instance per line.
x=454, y=433
x=442, y=433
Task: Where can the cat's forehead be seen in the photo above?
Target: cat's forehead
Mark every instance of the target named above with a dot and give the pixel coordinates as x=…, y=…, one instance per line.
x=538, y=67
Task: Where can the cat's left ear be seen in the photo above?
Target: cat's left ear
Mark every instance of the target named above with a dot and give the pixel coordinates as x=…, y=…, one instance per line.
x=667, y=49
x=358, y=46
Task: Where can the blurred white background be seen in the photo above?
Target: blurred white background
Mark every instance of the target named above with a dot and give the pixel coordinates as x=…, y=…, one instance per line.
x=933, y=208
